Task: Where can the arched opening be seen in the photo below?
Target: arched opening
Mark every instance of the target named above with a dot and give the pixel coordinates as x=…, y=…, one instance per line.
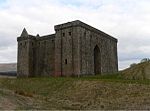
x=97, y=60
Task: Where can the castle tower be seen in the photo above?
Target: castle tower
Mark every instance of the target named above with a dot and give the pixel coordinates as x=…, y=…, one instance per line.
x=81, y=49
x=25, y=65
x=67, y=51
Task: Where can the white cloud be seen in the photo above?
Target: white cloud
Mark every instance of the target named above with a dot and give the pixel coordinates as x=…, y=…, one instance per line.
x=126, y=64
x=8, y=54
x=127, y=20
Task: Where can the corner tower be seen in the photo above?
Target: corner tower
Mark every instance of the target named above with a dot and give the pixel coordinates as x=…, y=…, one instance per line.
x=25, y=65
x=67, y=49
x=81, y=49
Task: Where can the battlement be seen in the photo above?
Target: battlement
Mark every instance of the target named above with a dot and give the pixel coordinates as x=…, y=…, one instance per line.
x=31, y=37
x=52, y=36
x=40, y=38
x=84, y=25
x=68, y=24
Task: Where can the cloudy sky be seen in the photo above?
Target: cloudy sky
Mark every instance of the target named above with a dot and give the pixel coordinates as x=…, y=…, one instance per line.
x=127, y=20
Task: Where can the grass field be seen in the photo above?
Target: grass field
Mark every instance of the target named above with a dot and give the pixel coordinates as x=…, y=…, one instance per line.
x=88, y=92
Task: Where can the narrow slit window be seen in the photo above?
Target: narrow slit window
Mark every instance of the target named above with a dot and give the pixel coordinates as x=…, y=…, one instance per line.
x=84, y=33
x=63, y=34
x=70, y=33
x=65, y=61
x=25, y=44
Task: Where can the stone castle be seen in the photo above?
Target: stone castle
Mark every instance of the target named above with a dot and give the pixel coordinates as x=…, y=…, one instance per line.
x=75, y=49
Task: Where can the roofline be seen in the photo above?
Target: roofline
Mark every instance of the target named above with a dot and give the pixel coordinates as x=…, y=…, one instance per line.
x=84, y=25
x=45, y=37
x=51, y=36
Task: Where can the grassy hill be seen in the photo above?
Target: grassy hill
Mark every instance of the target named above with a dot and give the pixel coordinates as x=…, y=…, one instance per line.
x=138, y=71
x=92, y=92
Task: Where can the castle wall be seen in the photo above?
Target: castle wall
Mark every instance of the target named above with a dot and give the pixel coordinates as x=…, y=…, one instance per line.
x=45, y=55
x=58, y=53
x=108, y=51
x=67, y=51
x=25, y=65
x=32, y=47
x=75, y=49
x=22, y=64
x=85, y=52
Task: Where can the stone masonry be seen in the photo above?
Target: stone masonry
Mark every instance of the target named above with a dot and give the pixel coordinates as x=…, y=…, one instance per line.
x=75, y=49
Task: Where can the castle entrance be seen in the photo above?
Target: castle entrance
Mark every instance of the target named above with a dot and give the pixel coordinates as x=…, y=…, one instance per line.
x=97, y=60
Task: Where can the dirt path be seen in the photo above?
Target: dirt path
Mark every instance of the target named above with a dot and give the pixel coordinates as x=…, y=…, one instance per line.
x=6, y=104
x=5, y=101
x=11, y=101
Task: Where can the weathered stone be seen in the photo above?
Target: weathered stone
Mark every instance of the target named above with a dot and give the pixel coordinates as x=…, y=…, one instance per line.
x=24, y=33
x=75, y=49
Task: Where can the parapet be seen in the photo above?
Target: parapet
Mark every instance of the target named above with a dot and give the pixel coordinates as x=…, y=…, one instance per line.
x=26, y=38
x=45, y=37
x=68, y=24
x=84, y=25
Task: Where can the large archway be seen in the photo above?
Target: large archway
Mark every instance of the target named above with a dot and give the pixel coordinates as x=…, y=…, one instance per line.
x=97, y=60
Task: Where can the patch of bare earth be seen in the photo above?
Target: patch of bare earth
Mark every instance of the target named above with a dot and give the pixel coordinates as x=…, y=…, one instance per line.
x=98, y=95
x=11, y=101
x=6, y=103
x=73, y=94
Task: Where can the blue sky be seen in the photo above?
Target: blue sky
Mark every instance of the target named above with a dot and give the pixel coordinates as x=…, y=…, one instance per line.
x=127, y=20
x=1, y=1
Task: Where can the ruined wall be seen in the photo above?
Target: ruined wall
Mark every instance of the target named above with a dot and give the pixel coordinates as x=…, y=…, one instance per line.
x=36, y=56
x=89, y=39
x=25, y=65
x=66, y=50
x=109, y=56
x=22, y=64
x=75, y=49
x=45, y=55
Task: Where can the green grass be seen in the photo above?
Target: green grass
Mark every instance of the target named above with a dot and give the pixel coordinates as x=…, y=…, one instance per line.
x=113, y=78
x=41, y=85
x=74, y=93
x=35, y=85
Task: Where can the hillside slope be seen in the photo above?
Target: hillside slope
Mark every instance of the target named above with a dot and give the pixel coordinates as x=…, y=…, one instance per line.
x=138, y=71
x=74, y=93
